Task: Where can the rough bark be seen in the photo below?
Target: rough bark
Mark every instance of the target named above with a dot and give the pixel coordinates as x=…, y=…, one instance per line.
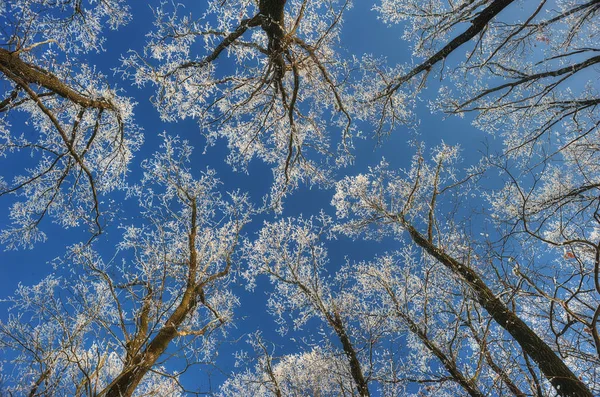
x=13, y=66
x=554, y=369
x=274, y=27
x=478, y=24
x=128, y=381
x=355, y=367
x=141, y=362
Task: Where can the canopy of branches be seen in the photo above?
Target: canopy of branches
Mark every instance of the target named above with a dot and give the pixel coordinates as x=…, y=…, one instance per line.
x=398, y=198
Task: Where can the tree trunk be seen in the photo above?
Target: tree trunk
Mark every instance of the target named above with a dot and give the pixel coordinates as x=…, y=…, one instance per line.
x=11, y=65
x=554, y=369
x=274, y=26
x=355, y=367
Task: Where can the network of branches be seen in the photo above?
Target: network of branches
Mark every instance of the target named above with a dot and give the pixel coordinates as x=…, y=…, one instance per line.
x=487, y=282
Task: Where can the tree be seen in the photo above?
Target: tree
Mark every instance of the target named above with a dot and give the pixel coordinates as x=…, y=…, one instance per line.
x=317, y=372
x=521, y=76
x=488, y=280
x=450, y=345
x=453, y=347
x=84, y=134
x=528, y=79
x=167, y=281
x=408, y=205
x=272, y=100
x=293, y=258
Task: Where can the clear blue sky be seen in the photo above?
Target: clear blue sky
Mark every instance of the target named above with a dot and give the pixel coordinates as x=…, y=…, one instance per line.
x=362, y=33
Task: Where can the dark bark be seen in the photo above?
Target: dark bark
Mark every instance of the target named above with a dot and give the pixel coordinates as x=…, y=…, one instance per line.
x=271, y=19
x=495, y=367
x=274, y=27
x=226, y=42
x=467, y=384
x=273, y=9
x=478, y=24
x=355, y=367
x=554, y=369
x=336, y=322
x=142, y=361
x=13, y=66
x=567, y=70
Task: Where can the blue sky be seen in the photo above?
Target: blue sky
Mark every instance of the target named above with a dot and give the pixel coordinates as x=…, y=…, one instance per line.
x=362, y=33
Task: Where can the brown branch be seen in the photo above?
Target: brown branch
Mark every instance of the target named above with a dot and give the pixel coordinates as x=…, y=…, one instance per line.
x=227, y=41
x=556, y=371
x=449, y=364
x=478, y=24
x=11, y=65
x=569, y=70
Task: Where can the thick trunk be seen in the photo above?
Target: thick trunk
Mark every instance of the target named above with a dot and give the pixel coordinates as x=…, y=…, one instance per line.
x=142, y=362
x=11, y=65
x=554, y=369
x=130, y=378
x=274, y=26
x=355, y=367
x=273, y=9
